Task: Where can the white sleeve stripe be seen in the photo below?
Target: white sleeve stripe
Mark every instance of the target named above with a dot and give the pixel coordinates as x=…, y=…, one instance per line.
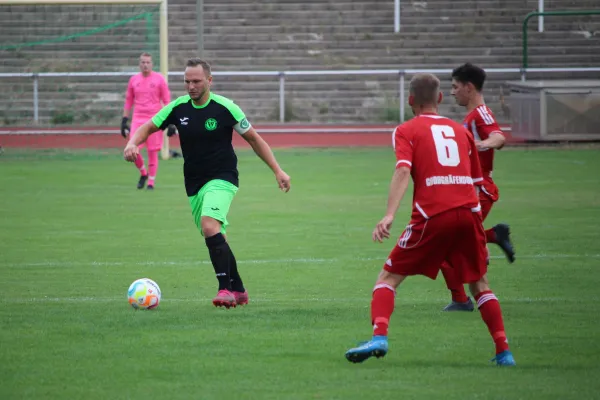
x=487, y=118
x=404, y=162
x=477, y=180
x=492, y=120
x=484, y=114
x=394, y=139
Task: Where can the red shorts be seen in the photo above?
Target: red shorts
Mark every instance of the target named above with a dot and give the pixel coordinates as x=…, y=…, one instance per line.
x=486, y=205
x=488, y=195
x=455, y=236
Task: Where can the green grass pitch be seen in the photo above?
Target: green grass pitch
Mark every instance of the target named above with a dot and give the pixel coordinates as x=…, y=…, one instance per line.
x=75, y=233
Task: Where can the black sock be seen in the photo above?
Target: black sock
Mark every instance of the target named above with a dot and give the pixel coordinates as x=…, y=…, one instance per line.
x=219, y=252
x=236, y=281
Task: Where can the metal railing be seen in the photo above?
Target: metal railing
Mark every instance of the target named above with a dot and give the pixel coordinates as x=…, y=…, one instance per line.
x=542, y=14
x=281, y=75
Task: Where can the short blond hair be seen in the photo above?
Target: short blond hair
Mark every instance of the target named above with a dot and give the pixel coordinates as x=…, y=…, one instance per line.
x=144, y=54
x=194, y=62
x=425, y=88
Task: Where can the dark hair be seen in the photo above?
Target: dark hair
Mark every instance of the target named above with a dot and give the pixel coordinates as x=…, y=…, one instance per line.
x=469, y=73
x=194, y=62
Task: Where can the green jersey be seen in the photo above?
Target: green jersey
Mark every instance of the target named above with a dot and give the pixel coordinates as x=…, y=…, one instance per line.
x=205, y=133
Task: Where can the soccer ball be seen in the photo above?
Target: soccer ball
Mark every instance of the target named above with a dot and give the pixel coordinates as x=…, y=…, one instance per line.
x=143, y=294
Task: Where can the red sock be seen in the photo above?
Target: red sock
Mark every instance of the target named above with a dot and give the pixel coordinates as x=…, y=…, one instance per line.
x=382, y=307
x=490, y=235
x=454, y=284
x=491, y=313
x=152, y=166
x=139, y=163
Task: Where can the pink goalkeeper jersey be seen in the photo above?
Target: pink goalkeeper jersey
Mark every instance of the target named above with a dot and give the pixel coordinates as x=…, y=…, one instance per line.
x=145, y=95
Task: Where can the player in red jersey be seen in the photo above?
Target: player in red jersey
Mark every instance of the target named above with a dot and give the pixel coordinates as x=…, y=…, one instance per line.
x=467, y=83
x=445, y=225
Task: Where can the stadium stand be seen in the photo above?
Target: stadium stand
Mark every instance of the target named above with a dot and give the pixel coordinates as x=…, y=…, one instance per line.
x=307, y=35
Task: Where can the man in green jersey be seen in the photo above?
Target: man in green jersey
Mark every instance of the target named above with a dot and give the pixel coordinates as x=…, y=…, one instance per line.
x=205, y=122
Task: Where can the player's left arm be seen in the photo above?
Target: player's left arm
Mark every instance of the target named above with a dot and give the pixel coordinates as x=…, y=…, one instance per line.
x=263, y=150
x=403, y=149
x=258, y=144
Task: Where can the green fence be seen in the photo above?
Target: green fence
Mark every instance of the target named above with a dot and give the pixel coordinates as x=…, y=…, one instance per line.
x=544, y=14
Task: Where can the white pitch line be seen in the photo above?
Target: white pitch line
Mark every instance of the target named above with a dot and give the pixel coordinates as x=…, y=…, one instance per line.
x=162, y=263
x=207, y=300
x=260, y=261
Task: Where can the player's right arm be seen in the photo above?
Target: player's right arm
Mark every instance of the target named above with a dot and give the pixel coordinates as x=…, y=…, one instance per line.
x=165, y=94
x=127, y=108
x=143, y=132
x=160, y=121
x=140, y=136
x=404, y=153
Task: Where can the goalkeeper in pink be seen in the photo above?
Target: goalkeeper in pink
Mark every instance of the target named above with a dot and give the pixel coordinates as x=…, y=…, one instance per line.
x=147, y=93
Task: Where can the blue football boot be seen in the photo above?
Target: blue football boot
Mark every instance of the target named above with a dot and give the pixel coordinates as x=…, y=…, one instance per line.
x=504, y=359
x=376, y=347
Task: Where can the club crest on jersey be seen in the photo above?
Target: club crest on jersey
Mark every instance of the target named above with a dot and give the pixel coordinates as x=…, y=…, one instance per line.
x=210, y=124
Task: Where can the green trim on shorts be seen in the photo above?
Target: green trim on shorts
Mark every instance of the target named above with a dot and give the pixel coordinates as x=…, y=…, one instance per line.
x=213, y=200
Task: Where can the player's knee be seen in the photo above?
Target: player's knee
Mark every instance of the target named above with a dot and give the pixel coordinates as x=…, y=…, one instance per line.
x=480, y=286
x=210, y=226
x=389, y=278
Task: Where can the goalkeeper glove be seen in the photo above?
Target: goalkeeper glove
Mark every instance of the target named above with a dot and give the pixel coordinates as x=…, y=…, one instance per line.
x=171, y=130
x=124, y=127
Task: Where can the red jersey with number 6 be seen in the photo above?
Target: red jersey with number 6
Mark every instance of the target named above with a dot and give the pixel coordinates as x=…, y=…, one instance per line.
x=444, y=164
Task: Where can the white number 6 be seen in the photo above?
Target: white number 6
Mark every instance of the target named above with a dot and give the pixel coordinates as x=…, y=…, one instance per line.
x=445, y=146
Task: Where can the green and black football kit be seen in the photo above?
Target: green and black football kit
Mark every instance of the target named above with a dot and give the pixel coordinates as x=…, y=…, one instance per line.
x=210, y=164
